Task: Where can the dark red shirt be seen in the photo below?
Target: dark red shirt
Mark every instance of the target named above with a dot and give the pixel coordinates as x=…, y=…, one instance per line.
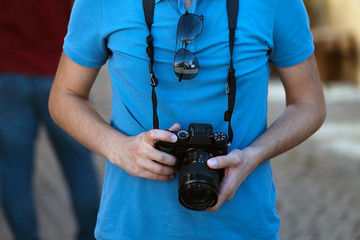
x=32, y=35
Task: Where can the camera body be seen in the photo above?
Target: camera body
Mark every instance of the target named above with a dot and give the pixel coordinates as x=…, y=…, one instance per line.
x=198, y=184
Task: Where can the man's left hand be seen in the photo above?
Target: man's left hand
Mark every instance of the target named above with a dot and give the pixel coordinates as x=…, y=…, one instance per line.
x=237, y=167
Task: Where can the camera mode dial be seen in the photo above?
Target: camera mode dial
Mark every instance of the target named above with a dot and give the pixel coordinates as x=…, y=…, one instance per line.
x=182, y=135
x=220, y=138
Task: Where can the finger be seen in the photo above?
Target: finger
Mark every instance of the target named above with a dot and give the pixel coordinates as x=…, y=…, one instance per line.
x=143, y=167
x=162, y=157
x=224, y=161
x=148, y=152
x=156, y=134
x=158, y=168
x=149, y=155
x=155, y=176
x=219, y=203
x=226, y=193
x=175, y=127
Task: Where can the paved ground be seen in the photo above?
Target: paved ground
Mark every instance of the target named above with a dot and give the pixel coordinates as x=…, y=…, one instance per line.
x=317, y=182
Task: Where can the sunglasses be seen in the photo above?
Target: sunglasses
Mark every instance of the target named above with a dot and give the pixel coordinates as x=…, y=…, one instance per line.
x=186, y=65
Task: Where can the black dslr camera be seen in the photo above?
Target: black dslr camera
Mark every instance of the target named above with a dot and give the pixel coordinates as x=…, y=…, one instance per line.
x=198, y=184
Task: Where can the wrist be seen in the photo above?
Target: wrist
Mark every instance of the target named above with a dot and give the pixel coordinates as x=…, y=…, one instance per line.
x=253, y=156
x=114, y=145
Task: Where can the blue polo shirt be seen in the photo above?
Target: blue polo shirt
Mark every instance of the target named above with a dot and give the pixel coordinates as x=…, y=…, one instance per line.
x=115, y=31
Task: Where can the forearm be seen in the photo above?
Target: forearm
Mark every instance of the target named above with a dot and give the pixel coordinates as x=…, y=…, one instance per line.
x=299, y=121
x=304, y=114
x=70, y=108
x=78, y=118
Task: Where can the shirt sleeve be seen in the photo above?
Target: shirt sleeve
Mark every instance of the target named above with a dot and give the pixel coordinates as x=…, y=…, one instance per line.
x=84, y=42
x=293, y=41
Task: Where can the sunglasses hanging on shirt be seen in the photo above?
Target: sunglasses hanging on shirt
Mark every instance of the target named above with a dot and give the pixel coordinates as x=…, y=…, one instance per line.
x=186, y=64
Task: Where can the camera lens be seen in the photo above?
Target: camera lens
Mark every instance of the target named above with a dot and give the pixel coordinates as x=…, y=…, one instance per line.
x=198, y=194
x=198, y=184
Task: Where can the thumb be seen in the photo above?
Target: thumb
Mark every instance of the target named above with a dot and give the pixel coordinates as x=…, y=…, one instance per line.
x=221, y=162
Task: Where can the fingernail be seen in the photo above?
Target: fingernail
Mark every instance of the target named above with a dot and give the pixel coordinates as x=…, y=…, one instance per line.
x=174, y=138
x=212, y=163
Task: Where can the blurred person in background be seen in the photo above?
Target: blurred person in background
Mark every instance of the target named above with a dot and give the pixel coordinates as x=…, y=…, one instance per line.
x=32, y=34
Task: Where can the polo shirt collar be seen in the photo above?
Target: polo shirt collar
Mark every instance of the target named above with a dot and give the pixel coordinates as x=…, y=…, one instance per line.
x=181, y=6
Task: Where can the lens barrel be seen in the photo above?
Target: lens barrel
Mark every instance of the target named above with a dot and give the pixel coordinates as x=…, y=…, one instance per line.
x=198, y=184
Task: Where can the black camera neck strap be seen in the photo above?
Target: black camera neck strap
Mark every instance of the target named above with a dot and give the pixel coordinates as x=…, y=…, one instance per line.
x=232, y=7
x=149, y=7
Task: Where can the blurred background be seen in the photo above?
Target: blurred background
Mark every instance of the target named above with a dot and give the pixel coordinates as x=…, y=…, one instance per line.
x=318, y=182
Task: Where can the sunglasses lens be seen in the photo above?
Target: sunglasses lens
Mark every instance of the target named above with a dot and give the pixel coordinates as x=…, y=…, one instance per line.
x=186, y=65
x=189, y=27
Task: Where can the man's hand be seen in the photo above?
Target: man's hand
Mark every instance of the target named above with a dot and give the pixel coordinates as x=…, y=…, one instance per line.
x=237, y=166
x=138, y=157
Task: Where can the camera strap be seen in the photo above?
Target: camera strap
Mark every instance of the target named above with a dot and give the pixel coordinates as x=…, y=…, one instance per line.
x=232, y=7
x=149, y=7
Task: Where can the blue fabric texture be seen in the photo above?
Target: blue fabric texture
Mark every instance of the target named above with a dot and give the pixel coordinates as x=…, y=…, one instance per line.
x=267, y=31
x=24, y=106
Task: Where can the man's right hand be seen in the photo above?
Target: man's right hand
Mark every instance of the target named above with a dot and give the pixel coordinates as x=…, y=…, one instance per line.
x=138, y=157
x=70, y=108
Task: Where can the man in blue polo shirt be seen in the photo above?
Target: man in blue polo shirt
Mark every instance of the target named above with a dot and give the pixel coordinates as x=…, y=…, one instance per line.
x=139, y=197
